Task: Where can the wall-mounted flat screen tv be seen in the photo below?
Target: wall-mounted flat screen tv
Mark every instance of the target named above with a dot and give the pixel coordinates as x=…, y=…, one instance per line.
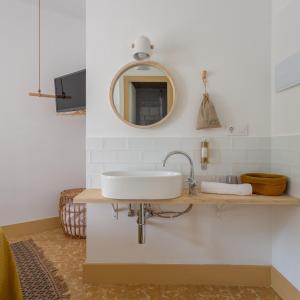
x=70, y=91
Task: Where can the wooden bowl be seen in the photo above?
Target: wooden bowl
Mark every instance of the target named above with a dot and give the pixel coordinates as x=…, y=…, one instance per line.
x=266, y=184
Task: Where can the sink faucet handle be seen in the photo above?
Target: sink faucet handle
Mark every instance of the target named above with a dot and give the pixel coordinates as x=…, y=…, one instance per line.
x=192, y=185
x=191, y=181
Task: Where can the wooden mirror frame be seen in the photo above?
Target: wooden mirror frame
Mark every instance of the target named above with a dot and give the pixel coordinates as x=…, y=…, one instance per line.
x=135, y=64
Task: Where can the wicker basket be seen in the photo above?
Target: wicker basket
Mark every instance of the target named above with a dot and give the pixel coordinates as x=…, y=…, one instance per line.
x=72, y=215
x=266, y=184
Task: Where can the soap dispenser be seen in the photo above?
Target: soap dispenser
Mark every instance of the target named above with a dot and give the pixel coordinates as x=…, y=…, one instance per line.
x=204, y=154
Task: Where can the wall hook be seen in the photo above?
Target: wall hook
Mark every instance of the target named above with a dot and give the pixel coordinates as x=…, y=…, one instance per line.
x=115, y=211
x=204, y=79
x=219, y=209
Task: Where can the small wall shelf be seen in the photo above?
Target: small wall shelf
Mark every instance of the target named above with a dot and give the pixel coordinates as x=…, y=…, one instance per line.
x=95, y=196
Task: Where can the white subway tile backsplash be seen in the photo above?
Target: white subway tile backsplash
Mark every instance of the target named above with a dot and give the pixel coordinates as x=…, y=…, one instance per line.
x=294, y=187
x=242, y=168
x=279, y=142
x=115, y=144
x=294, y=157
x=140, y=143
x=103, y=156
x=220, y=142
x=88, y=181
x=258, y=156
x=295, y=173
x=215, y=170
x=169, y=167
x=286, y=142
x=180, y=159
x=189, y=143
x=94, y=144
x=297, y=159
x=141, y=166
x=295, y=142
x=153, y=156
x=251, y=143
x=128, y=166
x=114, y=167
x=294, y=181
x=284, y=156
x=281, y=169
x=167, y=144
x=215, y=156
x=95, y=181
x=94, y=168
x=214, y=143
x=240, y=143
x=227, y=155
x=219, y=156
x=239, y=156
x=278, y=156
x=88, y=157
x=286, y=160
x=129, y=157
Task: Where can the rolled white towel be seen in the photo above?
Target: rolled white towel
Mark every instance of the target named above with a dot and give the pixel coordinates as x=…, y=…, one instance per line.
x=244, y=189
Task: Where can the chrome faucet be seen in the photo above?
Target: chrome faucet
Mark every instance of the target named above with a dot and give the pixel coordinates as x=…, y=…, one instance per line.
x=191, y=179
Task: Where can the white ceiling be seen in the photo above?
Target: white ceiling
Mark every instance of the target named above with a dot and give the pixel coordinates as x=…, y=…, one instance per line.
x=74, y=8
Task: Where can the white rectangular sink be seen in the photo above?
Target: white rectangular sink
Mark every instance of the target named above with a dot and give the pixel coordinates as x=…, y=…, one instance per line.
x=139, y=185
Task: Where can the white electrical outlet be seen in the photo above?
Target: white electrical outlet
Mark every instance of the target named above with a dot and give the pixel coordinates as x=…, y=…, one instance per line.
x=237, y=130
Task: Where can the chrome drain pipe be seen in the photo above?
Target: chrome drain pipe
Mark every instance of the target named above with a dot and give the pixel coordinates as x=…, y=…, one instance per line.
x=141, y=225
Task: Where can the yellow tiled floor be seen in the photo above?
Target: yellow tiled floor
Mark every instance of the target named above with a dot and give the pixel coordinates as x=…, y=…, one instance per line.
x=68, y=255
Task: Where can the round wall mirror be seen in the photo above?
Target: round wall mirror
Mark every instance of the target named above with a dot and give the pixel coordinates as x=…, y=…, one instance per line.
x=142, y=94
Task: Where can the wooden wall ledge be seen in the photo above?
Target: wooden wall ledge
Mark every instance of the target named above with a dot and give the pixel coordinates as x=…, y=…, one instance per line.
x=95, y=196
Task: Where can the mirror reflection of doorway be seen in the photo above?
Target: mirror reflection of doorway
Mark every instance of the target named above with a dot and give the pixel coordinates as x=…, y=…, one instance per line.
x=147, y=99
x=151, y=102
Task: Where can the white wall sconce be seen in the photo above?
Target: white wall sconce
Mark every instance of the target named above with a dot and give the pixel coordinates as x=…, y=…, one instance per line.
x=142, y=48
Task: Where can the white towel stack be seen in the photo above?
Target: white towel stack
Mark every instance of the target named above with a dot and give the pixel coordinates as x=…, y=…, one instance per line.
x=244, y=189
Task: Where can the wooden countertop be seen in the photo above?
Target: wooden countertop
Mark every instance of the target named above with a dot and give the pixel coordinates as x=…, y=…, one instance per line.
x=95, y=196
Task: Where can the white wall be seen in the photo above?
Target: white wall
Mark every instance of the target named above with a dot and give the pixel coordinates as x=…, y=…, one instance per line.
x=222, y=37
x=285, y=42
x=286, y=221
x=41, y=153
x=200, y=237
x=286, y=141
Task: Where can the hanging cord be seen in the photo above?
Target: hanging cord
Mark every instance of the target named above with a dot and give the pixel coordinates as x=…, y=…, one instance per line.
x=205, y=86
x=39, y=90
x=204, y=79
x=170, y=214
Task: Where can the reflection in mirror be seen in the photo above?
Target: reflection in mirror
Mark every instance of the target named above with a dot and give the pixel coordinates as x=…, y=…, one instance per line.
x=143, y=94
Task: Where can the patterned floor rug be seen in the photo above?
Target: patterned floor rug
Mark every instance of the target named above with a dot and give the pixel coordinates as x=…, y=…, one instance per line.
x=38, y=276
